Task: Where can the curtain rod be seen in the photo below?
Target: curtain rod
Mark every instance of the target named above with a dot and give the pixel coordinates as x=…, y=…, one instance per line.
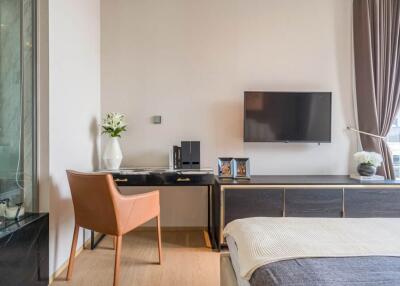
x=365, y=133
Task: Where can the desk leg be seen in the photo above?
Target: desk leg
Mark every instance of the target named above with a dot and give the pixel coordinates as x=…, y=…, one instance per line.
x=209, y=210
x=209, y=217
x=94, y=243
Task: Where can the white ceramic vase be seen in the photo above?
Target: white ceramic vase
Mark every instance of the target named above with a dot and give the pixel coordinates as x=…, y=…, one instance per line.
x=112, y=156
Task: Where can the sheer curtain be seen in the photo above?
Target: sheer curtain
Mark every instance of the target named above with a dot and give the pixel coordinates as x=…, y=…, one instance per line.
x=376, y=25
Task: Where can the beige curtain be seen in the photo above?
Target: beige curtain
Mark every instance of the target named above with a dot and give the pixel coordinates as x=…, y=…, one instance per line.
x=376, y=25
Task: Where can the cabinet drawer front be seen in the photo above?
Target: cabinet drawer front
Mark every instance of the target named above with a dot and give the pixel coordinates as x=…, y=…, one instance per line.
x=244, y=203
x=313, y=202
x=372, y=203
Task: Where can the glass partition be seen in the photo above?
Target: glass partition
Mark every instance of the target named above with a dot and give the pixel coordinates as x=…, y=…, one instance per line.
x=17, y=108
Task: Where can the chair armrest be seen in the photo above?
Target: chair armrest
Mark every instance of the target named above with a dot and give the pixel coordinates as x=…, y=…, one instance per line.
x=135, y=210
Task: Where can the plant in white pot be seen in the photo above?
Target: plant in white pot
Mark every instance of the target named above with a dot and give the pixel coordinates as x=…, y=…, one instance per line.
x=367, y=162
x=113, y=125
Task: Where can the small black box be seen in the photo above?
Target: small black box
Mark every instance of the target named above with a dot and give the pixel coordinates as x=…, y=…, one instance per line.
x=190, y=151
x=195, y=153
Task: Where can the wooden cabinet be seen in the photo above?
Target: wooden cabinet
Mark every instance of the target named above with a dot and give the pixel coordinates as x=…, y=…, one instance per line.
x=244, y=203
x=377, y=202
x=313, y=202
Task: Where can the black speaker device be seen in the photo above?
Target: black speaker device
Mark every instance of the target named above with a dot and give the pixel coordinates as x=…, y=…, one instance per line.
x=190, y=154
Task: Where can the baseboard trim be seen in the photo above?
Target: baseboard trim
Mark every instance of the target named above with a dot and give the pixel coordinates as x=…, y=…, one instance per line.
x=64, y=266
x=172, y=228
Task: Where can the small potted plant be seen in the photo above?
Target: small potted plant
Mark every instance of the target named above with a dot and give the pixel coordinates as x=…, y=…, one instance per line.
x=367, y=162
x=113, y=125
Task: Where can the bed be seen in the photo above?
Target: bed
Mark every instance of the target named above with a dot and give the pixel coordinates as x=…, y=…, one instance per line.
x=311, y=251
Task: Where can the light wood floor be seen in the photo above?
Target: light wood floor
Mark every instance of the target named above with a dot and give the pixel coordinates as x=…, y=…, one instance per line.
x=186, y=261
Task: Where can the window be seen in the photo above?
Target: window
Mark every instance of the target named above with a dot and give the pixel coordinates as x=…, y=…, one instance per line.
x=17, y=104
x=393, y=140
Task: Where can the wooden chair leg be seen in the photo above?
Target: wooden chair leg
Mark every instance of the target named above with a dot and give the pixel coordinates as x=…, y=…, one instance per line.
x=117, y=259
x=115, y=242
x=72, y=254
x=159, y=239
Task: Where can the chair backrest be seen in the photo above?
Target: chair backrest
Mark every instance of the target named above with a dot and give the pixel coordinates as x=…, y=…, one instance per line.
x=94, y=196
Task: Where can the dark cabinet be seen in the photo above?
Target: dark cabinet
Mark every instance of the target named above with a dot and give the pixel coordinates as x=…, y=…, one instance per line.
x=244, y=203
x=313, y=202
x=372, y=202
x=300, y=196
x=24, y=252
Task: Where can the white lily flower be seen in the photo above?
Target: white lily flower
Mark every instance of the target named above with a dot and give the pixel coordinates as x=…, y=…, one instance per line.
x=113, y=124
x=370, y=158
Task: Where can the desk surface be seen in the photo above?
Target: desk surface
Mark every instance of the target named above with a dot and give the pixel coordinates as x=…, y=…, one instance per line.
x=205, y=177
x=304, y=180
x=152, y=170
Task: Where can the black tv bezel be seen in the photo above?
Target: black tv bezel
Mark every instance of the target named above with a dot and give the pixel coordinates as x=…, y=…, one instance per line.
x=245, y=140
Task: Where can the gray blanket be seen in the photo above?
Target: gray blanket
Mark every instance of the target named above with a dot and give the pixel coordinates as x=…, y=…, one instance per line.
x=377, y=271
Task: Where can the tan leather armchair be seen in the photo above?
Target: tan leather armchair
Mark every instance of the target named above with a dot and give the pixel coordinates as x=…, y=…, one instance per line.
x=99, y=206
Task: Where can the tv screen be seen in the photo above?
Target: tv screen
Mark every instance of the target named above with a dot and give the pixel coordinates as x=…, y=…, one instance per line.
x=287, y=116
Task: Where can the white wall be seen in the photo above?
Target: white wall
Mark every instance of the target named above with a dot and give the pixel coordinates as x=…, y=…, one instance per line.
x=74, y=109
x=190, y=62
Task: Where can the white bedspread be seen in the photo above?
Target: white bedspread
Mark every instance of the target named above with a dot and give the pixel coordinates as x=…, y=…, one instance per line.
x=262, y=240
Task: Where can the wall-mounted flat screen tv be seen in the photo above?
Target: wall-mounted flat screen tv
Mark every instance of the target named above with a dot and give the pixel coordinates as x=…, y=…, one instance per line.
x=287, y=116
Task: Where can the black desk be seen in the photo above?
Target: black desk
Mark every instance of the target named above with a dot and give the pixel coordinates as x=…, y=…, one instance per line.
x=162, y=178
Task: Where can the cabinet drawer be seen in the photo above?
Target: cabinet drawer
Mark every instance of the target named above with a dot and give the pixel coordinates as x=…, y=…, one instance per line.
x=244, y=203
x=313, y=202
x=372, y=203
